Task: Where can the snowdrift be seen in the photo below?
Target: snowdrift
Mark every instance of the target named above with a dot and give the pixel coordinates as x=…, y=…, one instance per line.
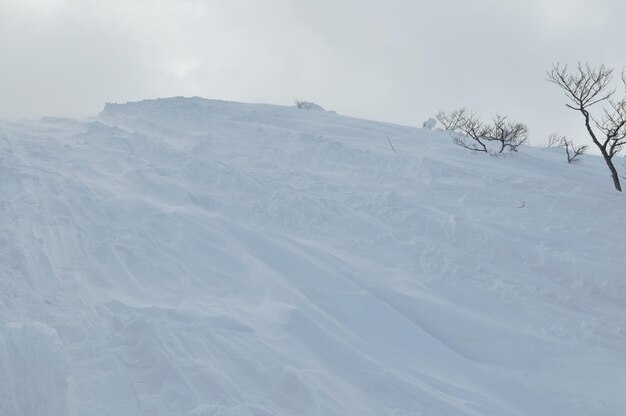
x=204, y=258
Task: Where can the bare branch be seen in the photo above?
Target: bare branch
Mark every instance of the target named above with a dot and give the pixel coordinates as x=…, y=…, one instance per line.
x=467, y=143
x=572, y=151
x=465, y=129
x=452, y=120
x=390, y=144
x=554, y=140
x=469, y=132
x=585, y=88
x=613, y=126
x=510, y=135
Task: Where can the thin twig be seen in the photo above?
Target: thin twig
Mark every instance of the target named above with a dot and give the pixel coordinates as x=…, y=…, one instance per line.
x=392, y=148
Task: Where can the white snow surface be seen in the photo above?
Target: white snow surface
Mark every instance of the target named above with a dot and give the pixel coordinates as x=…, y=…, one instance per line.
x=194, y=257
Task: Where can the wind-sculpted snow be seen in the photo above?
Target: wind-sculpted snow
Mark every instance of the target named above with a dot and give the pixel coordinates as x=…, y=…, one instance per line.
x=204, y=258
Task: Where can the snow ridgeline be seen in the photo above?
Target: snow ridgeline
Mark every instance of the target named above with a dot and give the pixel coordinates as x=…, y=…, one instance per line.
x=203, y=258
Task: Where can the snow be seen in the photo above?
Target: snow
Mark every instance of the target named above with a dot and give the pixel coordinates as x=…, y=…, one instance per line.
x=188, y=257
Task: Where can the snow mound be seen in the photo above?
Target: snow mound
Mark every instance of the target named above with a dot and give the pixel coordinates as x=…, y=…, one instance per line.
x=195, y=257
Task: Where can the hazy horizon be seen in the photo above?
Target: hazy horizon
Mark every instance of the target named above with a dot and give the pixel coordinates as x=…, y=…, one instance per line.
x=399, y=62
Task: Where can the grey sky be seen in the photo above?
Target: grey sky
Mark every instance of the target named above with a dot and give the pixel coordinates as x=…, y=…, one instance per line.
x=398, y=61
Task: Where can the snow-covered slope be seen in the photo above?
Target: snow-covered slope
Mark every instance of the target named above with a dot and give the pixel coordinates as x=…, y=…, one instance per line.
x=192, y=257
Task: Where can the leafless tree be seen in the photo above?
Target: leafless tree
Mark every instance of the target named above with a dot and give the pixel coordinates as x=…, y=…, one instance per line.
x=572, y=151
x=586, y=87
x=451, y=120
x=554, y=140
x=300, y=103
x=465, y=129
x=510, y=135
x=469, y=132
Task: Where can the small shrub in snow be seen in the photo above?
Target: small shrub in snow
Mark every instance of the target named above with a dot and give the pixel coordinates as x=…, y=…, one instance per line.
x=468, y=131
x=554, y=140
x=306, y=105
x=509, y=135
x=572, y=151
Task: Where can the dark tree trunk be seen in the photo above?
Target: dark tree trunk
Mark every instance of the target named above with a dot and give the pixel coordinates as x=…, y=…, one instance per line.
x=614, y=175
x=607, y=157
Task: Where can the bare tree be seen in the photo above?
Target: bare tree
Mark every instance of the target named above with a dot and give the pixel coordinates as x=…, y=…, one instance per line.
x=450, y=121
x=469, y=132
x=589, y=86
x=510, y=135
x=554, y=140
x=572, y=151
x=301, y=104
x=465, y=129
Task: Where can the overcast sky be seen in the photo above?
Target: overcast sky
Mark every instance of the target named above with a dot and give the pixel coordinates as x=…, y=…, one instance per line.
x=399, y=61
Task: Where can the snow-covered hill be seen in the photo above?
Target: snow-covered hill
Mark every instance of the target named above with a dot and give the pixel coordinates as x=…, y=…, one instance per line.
x=203, y=258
